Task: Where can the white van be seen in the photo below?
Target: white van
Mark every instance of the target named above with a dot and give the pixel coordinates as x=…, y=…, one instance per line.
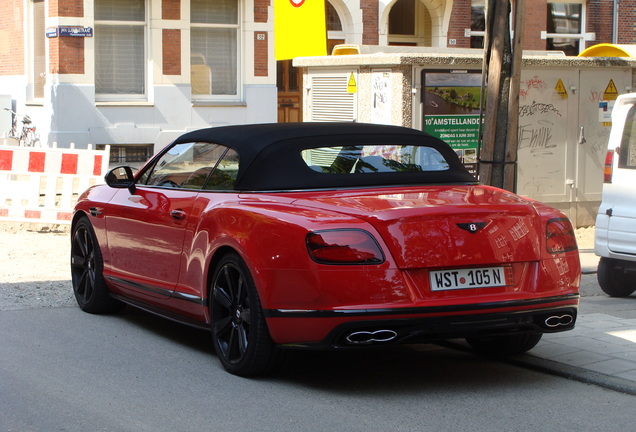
x=615, y=239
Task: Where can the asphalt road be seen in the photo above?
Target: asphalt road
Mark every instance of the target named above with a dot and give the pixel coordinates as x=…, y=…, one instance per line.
x=64, y=370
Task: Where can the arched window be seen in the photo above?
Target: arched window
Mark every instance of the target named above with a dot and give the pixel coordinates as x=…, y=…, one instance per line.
x=409, y=24
x=335, y=31
x=333, y=19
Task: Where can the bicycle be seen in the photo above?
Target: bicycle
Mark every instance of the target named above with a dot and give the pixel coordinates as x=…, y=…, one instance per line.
x=27, y=137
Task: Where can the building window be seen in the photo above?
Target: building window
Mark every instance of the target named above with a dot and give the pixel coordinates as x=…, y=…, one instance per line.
x=214, y=49
x=402, y=18
x=410, y=24
x=134, y=155
x=477, y=23
x=333, y=20
x=37, y=48
x=565, y=30
x=120, y=49
x=335, y=31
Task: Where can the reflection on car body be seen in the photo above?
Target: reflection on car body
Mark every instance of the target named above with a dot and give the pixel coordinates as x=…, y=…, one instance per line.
x=324, y=235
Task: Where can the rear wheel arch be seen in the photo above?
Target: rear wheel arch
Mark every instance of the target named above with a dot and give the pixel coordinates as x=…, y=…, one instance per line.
x=219, y=255
x=213, y=262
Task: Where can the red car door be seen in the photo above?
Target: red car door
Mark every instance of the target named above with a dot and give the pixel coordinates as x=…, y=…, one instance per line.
x=145, y=238
x=146, y=228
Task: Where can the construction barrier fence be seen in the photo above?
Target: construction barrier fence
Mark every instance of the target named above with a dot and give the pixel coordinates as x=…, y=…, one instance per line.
x=42, y=185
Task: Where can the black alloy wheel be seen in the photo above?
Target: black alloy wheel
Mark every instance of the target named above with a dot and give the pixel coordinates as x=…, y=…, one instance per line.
x=240, y=335
x=90, y=290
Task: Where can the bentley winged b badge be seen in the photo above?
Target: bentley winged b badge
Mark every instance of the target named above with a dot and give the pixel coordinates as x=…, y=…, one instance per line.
x=472, y=227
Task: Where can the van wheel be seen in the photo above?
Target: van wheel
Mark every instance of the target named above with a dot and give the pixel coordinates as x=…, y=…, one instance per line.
x=613, y=280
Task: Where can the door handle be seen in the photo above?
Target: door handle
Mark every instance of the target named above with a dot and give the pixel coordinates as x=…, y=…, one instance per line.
x=582, y=139
x=178, y=214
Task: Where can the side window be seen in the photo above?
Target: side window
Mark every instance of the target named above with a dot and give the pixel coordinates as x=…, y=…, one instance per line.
x=185, y=166
x=627, y=156
x=224, y=175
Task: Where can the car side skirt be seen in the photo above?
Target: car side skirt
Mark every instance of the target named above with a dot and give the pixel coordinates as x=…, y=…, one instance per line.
x=162, y=312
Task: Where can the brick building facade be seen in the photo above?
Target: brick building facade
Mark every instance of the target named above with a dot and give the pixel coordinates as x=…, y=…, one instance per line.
x=136, y=73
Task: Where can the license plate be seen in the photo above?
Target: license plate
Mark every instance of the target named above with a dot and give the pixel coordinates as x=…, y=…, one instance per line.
x=485, y=277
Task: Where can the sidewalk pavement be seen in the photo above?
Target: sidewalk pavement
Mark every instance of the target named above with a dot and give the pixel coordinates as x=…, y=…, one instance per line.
x=601, y=350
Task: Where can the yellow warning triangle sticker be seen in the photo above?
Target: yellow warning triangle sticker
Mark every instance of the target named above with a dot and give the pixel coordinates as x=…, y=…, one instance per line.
x=560, y=88
x=611, y=93
x=351, y=85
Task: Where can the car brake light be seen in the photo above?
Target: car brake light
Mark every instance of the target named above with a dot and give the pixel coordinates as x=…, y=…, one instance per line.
x=343, y=246
x=560, y=236
x=608, y=169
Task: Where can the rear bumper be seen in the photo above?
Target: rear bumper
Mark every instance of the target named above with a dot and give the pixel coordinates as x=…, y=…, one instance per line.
x=358, y=328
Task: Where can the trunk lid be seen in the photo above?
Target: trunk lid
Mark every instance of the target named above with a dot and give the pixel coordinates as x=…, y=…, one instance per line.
x=445, y=226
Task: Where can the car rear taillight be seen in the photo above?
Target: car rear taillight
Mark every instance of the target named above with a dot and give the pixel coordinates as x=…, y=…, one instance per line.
x=560, y=236
x=608, y=169
x=343, y=246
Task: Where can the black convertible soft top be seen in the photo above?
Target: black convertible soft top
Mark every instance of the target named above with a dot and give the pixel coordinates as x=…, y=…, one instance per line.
x=270, y=154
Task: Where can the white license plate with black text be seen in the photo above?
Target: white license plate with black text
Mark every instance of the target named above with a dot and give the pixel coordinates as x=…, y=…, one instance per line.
x=485, y=277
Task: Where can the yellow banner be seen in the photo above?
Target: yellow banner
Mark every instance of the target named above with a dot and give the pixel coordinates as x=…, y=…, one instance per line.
x=300, y=28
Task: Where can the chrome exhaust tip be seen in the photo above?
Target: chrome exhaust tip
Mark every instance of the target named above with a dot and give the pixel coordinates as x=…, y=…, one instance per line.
x=364, y=337
x=559, y=320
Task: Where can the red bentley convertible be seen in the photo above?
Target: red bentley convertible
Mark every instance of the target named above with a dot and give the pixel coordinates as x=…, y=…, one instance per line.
x=323, y=235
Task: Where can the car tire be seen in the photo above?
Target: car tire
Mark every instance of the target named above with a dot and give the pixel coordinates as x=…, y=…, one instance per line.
x=614, y=281
x=87, y=277
x=504, y=345
x=239, y=331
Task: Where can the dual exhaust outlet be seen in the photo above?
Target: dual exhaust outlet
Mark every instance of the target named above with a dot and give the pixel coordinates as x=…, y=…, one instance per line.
x=368, y=337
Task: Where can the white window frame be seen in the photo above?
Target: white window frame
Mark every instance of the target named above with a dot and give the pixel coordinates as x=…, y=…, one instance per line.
x=582, y=36
x=132, y=97
x=203, y=98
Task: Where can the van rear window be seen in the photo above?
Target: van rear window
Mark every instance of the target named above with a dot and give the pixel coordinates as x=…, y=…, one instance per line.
x=627, y=155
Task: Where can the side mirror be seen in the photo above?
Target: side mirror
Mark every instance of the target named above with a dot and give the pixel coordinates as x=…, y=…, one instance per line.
x=121, y=178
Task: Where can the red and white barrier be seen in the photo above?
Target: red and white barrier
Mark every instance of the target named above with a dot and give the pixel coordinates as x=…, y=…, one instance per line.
x=41, y=185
